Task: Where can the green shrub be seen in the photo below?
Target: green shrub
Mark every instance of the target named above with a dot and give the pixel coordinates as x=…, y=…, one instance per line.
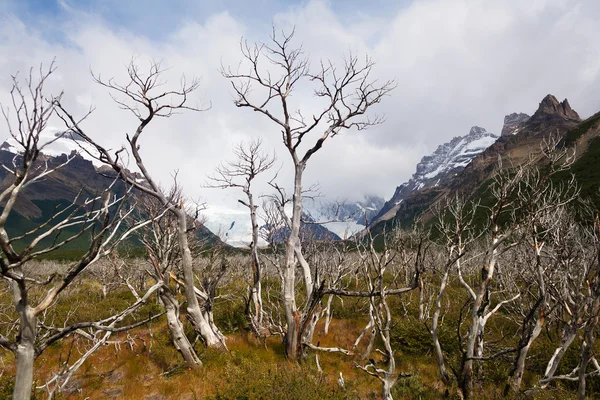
x=248, y=379
x=411, y=337
x=231, y=317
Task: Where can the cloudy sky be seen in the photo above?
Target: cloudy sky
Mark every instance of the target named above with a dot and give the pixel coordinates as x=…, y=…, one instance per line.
x=457, y=63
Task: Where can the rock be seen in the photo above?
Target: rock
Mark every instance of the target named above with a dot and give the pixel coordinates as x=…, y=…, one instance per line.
x=73, y=386
x=113, y=393
x=446, y=161
x=550, y=107
x=155, y=397
x=513, y=122
x=114, y=376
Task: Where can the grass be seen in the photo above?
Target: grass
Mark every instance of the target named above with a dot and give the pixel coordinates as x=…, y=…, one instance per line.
x=587, y=172
x=143, y=362
x=574, y=134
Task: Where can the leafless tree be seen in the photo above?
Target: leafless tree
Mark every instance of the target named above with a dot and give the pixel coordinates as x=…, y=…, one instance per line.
x=250, y=162
x=456, y=227
x=505, y=185
x=569, y=252
x=143, y=95
x=543, y=202
x=591, y=315
x=337, y=265
x=94, y=337
x=523, y=197
x=160, y=241
x=373, y=269
x=97, y=219
x=575, y=252
x=348, y=93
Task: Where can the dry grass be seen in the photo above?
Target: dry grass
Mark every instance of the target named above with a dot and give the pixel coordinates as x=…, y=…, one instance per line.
x=143, y=364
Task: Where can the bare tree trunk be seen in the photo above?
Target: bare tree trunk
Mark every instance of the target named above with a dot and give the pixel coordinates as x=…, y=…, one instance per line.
x=584, y=358
x=180, y=340
x=309, y=330
x=589, y=338
x=386, y=390
x=434, y=330
x=292, y=316
x=256, y=290
x=25, y=352
x=515, y=381
x=475, y=337
x=421, y=300
x=474, y=340
x=480, y=342
x=328, y=315
x=201, y=321
x=25, y=357
x=554, y=362
x=369, y=328
x=291, y=313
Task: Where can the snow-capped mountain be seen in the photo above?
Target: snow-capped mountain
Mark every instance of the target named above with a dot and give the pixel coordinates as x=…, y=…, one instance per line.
x=445, y=162
x=344, y=218
x=54, y=142
x=325, y=219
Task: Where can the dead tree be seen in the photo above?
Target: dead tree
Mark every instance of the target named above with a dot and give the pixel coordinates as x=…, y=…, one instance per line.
x=143, y=95
x=543, y=204
x=97, y=219
x=579, y=298
x=570, y=254
x=337, y=265
x=593, y=317
x=505, y=185
x=347, y=93
x=455, y=224
x=94, y=339
x=523, y=196
x=160, y=241
x=240, y=173
x=373, y=268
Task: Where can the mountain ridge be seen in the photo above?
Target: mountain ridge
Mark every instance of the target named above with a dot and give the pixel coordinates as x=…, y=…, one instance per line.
x=551, y=118
x=447, y=160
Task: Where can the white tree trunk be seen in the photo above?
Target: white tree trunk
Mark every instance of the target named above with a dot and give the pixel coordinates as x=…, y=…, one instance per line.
x=292, y=317
x=256, y=290
x=328, y=315
x=200, y=319
x=557, y=356
x=25, y=353
x=434, y=329
x=386, y=390
x=309, y=331
x=180, y=340
x=517, y=378
x=475, y=337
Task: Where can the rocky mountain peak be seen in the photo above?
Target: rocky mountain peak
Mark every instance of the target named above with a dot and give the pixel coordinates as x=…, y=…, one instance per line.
x=476, y=130
x=5, y=146
x=446, y=161
x=550, y=106
x=513, y=122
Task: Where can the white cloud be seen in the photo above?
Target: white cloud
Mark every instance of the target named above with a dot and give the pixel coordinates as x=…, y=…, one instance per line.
x=458, y=63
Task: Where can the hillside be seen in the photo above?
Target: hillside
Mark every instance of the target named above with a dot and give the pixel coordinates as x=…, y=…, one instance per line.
x=76, y=180
x=438, y=169
x=520, y=140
